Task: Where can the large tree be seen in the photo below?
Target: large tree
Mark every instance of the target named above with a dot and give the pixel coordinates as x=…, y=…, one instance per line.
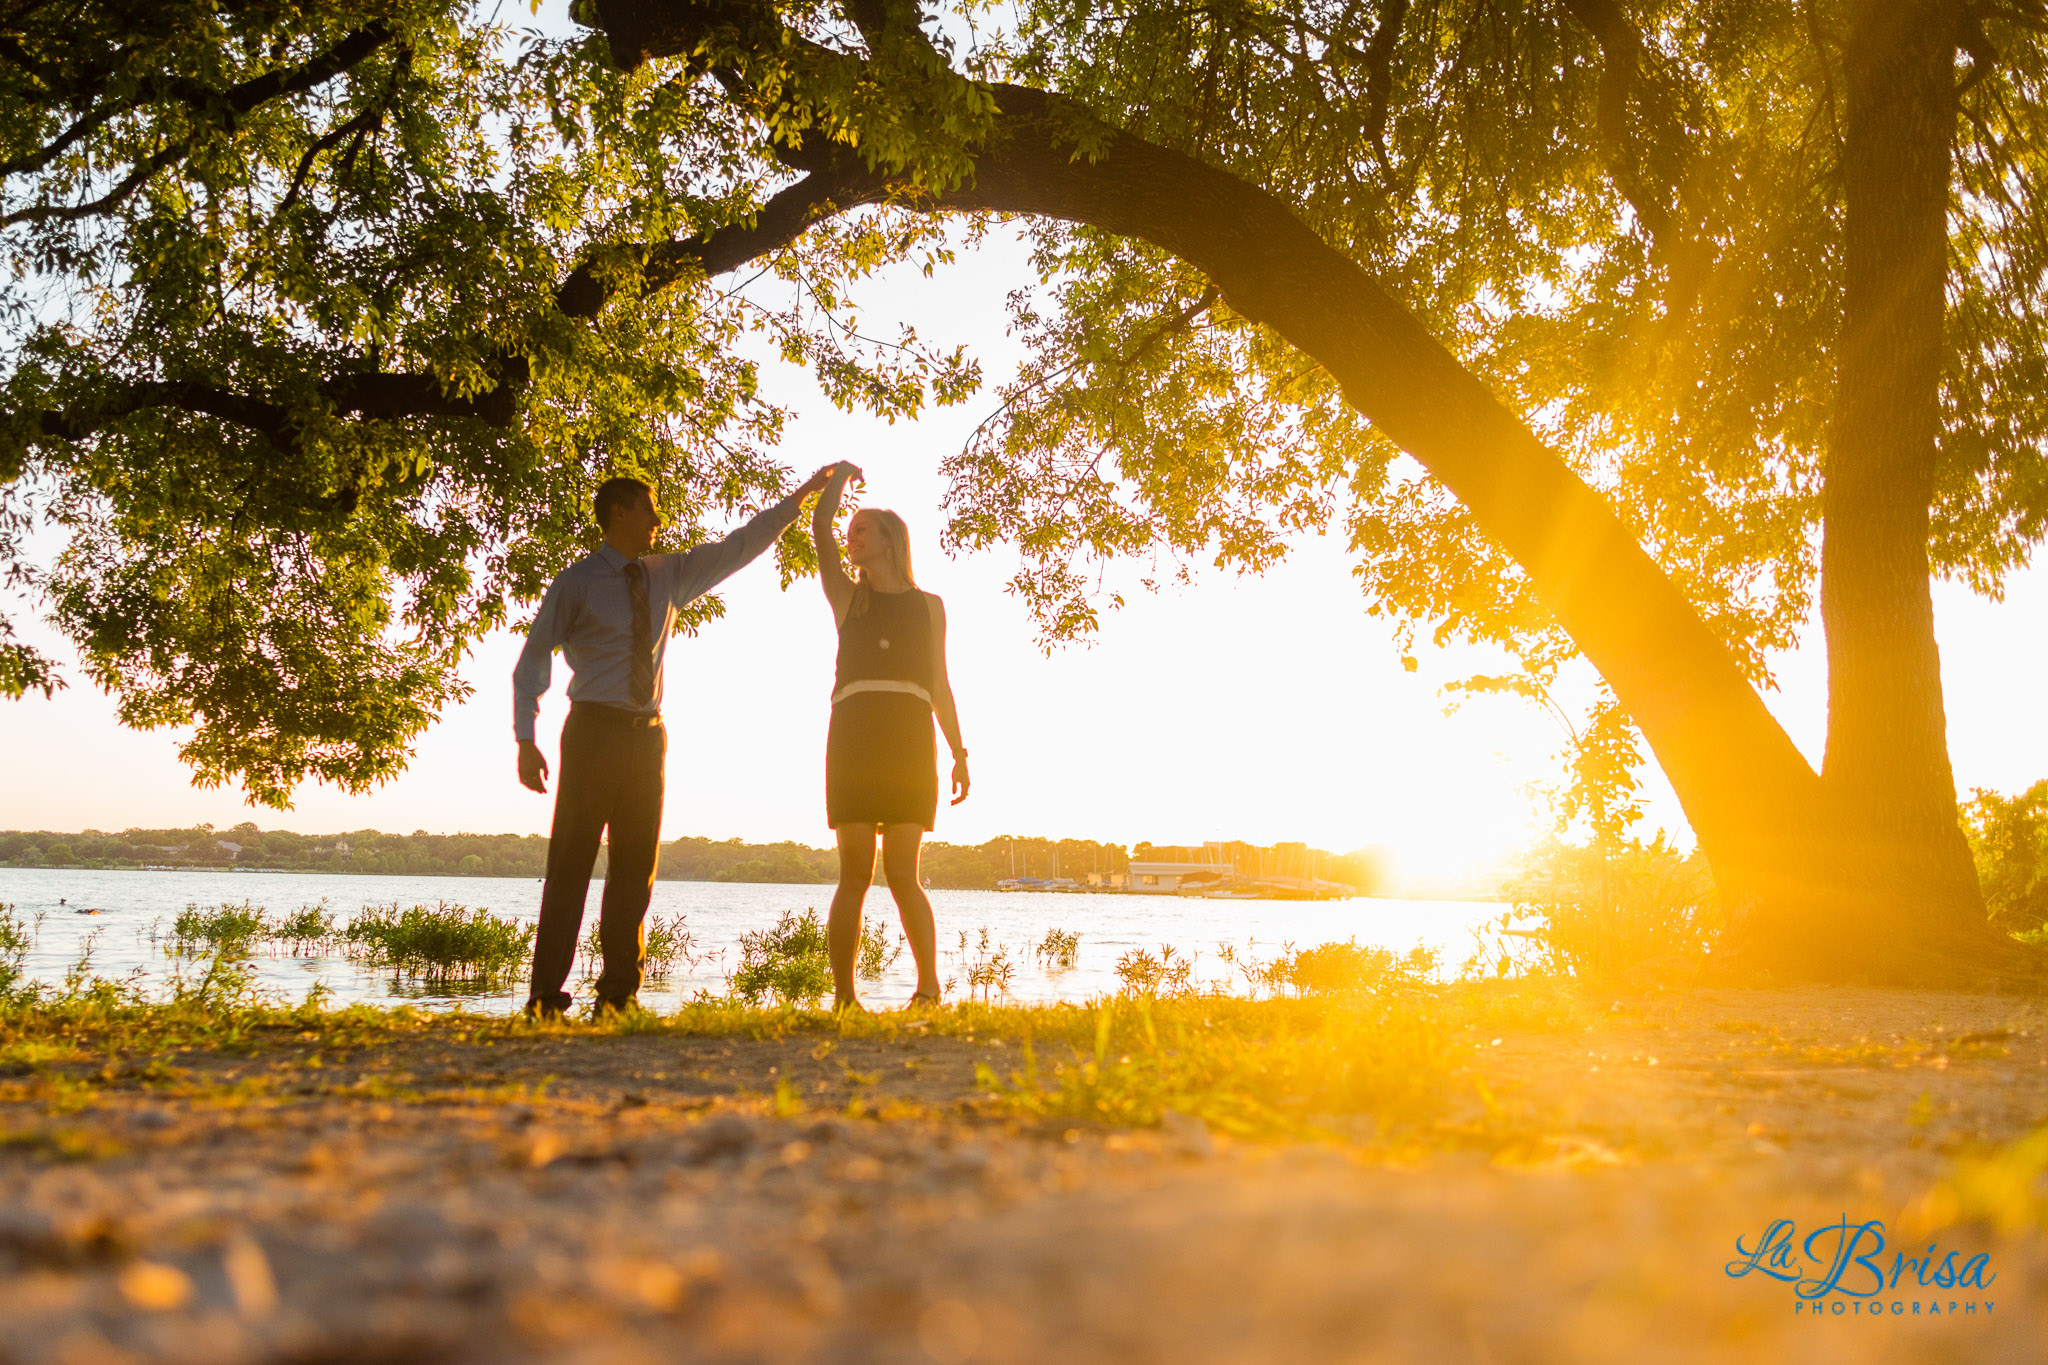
x=1678, y=308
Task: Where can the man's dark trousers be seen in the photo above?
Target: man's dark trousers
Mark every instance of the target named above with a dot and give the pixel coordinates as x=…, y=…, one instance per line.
x=611, y=776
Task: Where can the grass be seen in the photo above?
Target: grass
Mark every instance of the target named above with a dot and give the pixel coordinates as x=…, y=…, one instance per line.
x=666, y=942
x=63, y=1144
x=309, y=931
x=231, y=929
x=1058, y=950
x=788, y=962
x=1380, y=1066
x=440, y=944
x=91, y=1018
x=15, y=941
x=988, y=967
x=876, y=954
x=2002, y=1189
x=1603, y=912
x=1337, y=968
x=237, y=930
x=1167, y=974
x=16, y=938
x=1253, y=1068
x=1353, y=1044
x=792, y=963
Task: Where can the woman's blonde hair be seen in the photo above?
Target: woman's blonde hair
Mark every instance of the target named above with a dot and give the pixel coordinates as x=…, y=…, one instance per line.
x=896, y=535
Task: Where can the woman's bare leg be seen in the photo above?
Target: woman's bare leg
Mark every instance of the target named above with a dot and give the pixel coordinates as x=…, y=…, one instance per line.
x=901, y=848
x=842, y=926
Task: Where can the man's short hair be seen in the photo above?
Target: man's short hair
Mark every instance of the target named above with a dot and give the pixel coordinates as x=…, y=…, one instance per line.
x=613, y=494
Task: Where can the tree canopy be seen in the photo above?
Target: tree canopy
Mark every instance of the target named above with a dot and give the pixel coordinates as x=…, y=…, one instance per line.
x=317, y=352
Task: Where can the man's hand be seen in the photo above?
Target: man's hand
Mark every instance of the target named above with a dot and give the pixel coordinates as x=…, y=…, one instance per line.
x=959, y=779
x=533, y=767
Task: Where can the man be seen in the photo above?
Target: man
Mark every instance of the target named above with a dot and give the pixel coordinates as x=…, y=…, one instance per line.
x=610, y=614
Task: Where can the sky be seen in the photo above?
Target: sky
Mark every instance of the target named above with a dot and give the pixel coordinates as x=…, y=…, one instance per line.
x=1260, y=708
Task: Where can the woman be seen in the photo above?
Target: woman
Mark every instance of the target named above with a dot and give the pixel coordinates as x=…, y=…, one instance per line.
x=879, y=769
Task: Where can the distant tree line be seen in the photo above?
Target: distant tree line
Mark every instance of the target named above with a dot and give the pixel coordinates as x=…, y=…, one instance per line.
x=359, y=851
x=373, y=852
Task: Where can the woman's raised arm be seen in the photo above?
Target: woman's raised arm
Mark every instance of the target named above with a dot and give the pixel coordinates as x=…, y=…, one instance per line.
x=831, y=570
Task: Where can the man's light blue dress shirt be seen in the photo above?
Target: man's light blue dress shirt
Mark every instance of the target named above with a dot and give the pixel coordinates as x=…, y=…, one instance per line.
x=587, y=613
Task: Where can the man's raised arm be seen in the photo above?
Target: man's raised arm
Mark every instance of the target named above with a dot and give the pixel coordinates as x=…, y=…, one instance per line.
x=704, y=568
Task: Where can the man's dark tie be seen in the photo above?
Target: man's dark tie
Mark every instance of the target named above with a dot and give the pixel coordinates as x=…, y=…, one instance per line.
x=642, y=684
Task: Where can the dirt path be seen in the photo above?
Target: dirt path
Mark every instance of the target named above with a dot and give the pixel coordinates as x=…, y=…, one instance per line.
x=648, y=1197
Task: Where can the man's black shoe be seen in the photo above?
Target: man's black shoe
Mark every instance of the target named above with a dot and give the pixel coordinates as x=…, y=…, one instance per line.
x=547, y=1011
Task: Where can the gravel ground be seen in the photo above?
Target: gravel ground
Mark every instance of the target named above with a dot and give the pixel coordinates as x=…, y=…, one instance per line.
x=583, y=1197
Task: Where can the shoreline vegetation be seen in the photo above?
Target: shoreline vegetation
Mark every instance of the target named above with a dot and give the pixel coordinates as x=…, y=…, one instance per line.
x=950, y=867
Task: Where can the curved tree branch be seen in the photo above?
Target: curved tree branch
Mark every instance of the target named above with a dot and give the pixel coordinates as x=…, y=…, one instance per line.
x=384, y=396
x=228, y=105
x=1621, y=84
x=209, y=400
x=369, y=119
x=370, y=396
x=1379, y=70
x=783, y=219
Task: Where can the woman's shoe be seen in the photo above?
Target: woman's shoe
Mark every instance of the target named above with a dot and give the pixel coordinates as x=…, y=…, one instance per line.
x=920, y=999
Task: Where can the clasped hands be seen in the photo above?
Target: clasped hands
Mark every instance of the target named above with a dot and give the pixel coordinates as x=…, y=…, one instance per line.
x=839, y=469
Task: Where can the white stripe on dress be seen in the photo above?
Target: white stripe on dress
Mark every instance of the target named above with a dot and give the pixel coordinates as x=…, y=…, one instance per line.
x=881, y=685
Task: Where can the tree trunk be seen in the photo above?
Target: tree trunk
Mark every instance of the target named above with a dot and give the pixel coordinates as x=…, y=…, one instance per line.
x=1887, y=766
x=1890, y=791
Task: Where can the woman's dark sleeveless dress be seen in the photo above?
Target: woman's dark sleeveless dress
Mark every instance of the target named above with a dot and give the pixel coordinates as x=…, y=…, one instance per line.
x=879, y=756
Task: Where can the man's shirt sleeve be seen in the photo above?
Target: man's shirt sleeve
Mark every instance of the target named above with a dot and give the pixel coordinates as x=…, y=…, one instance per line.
x=700, y=570
x=535, y=669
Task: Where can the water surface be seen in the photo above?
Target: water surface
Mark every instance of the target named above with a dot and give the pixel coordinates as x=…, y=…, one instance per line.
x=136, y=908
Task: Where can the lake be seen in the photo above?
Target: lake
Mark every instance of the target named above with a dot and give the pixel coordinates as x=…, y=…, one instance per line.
x=137, y=907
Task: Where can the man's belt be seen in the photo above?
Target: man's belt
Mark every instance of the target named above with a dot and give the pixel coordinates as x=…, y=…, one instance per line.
x=613, y=715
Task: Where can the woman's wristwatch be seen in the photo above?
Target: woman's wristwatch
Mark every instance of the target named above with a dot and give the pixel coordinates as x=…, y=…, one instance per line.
x=959, y=754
